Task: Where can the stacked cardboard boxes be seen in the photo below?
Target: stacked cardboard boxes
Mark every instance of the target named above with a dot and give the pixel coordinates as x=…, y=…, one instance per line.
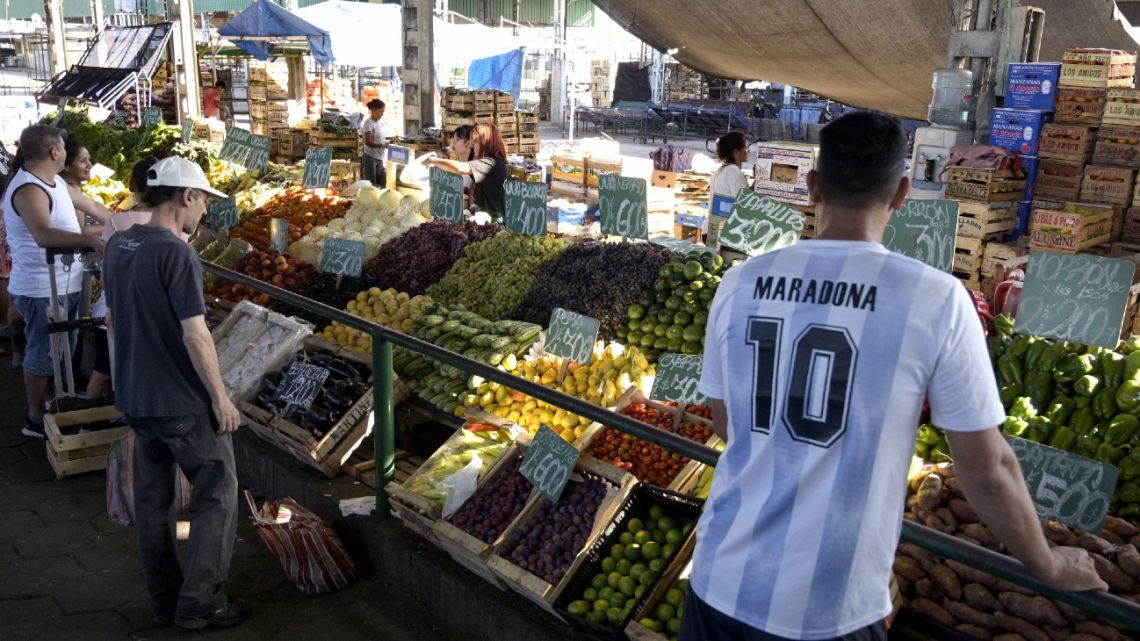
x=601, y=84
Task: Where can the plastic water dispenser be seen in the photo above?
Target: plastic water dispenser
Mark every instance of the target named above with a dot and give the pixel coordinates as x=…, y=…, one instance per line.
x=951, y=114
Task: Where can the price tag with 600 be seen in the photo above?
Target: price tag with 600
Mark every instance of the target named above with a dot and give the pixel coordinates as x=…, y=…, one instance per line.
x=549, y=462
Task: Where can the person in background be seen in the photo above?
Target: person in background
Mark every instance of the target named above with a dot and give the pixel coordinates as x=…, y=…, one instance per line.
x=488, y=169
x=372, y=162
x=38, y=213
x=13, y=328
x=211, y=100
x=170, y=391
x=462, y=150
x=728, y=179
x=817, y=359
x=76, y=171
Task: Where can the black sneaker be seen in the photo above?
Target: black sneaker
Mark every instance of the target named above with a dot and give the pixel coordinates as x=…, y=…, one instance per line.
x=33, y=428
x=232, y=613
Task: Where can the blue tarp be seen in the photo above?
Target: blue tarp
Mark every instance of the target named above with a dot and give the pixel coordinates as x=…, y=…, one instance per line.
x=502, y=72
x=263, y=21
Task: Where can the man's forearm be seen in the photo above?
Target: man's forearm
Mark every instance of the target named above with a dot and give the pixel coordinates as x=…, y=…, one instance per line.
x=63, y=239
x=204, y=357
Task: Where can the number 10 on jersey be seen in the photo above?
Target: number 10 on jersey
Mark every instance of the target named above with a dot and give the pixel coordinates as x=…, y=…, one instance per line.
x=816, y=403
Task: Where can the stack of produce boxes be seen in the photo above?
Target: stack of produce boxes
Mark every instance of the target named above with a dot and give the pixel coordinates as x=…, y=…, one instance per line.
x=600, y=88
x=506, y=120
x=268, y=94
x=1033, y=87
x=528, y=133
x=987, y=198
x=1084, y=181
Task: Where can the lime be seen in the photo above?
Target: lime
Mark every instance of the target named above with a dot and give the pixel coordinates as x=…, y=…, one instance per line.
x=636, y=311
x=613, y=579
x=659, y=536
x=617, y=551
x=664, y=316
x=598, y=582
x=674, y=597
x=689, y=297
x=609, y=564
x=690, y=347
x=601, y=605
x=706, y=294
x=673, y=626
x=697, y=285
x=639, y=590
x=637, y=569
x=682, y=318
x=635, y=526
x=665, y=612
x=693, y=269
x=660, y=330
x=661, y=343
x=718, y=261
x=666, y=271
x=651, y=525
x=673, y=303
x=651, y=625
x=656, y=565
x=627, y=586
x=578, y=608
x=647, y=578
x=666, y=523
x=626, y=538
x=597, y=617
x=617, y=599
x=605, y=593
x=675, y=345
x=623, y=567
x=675, y=331
x=651, y=550
x=667, y=550
x=643, y=537
x=674, y=536
x=633, y=337
x=683, y=585
x=647, y=325
x=648, y=340
x=633, y=552
x=634, y=325
x=590, y=594
x=613, y=616
x=694, y=307
x=692, y=334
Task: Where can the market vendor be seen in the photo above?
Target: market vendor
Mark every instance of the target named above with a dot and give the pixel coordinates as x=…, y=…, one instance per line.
x=727, y=180
x=211, y=100
x=488, y=169
x=372, y=162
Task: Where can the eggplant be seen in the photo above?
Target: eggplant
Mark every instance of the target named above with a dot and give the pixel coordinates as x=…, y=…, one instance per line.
x=342, y=370
x=321, y=415
x=310, y=427
x=270, y=382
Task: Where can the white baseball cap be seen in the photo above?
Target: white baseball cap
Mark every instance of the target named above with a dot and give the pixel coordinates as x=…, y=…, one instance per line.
x=176, y=171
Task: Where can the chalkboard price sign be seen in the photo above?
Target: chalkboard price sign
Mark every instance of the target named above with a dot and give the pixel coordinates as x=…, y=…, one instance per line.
x=187, y=131
x=446, y=195
x=278, y=234
x=622, y=206
x=549, y=462
x=235, y=148
x=318, y=166
x=526, y=208
x=1074, y=297
x=1065, y=487
x=345, y=257
x=571, y=335
x=677, y=378
x=758, y=224
x=924, y=230
x=222, y=214
x=151, y=117
x=301, y=384
x=258, y=153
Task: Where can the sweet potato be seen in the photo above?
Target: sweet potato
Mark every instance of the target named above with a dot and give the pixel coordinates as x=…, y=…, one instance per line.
x=954, y=487
x=982, y=534
x=934, y=612
x=1009, y=637
x=1120, y=527
x=1059, y=533
x=981, y=598
x=925, y=588
x=931, y=520
x=1071, y=612
x=974, y=632
x=908, y=568
x=967, y=614
x=1093, y=543
x=930, y=492
x=1112, y=538
x=1135, y=541
x=917, y=480
x=1005, y=586
x=947, y=516
x=1106, y=632
x=1083, y=636
x=971, y=574
x=1057, y=633
x=963, y=512
x=968, y=539
x=946, y=581
x=1116, y=579
x=1020, y=626
x=922, y=555
x=1036, y=610
x=1129, y=560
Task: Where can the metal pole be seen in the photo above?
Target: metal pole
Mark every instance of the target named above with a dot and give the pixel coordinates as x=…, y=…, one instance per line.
x=384, y=429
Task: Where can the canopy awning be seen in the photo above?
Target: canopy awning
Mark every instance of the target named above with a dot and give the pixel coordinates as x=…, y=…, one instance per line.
x=363, y=34
x=263, y=23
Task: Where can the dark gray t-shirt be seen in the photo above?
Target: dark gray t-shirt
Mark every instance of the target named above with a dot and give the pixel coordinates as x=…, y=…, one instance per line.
x=490, y=174
x=153, y=282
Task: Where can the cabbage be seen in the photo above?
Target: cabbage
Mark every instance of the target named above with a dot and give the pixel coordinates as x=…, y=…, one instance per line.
x=390, y=200
x=368, y=196
x=337, y=224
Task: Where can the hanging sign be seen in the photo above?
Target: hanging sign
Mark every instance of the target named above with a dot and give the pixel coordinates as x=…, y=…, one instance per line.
x=622, y=206
x=526, y=207
x=758, y=224
x=1065, y=487
x=1074, y=297
x=677, y=379
x=446, y=195
x=925, y=230
x=258, y=153
x=301, y=384
x=571, y=336
x=318, y=167
x=549, y=462
x=278, y=234
x=222, y=214
x=344, y=257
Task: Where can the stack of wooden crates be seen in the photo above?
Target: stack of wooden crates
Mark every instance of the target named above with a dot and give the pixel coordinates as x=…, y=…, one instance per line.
x=268, y=97
x=601, y=88
x=987, y=210
x=476, y=107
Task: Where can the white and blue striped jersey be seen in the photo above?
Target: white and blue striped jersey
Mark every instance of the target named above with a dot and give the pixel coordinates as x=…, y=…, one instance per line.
x=822, y=353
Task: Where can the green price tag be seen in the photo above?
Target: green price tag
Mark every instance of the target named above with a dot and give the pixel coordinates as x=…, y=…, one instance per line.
x=222, y=214
x=1065, y=487
x=258, y=153
x=677, y=378
x=571, y=336
x=1074, y=297
x=446, y=195
x=235, y=148
x=549, y=462
x=924, y=230
x=526, y=208
x=187, y=131
x=758, y=224
x=151, y=117
x=318, y=165
x=622, y=206
x=344, y=257
x=278, y=234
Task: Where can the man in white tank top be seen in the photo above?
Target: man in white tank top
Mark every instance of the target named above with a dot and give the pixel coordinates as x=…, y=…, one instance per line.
x=38, y=213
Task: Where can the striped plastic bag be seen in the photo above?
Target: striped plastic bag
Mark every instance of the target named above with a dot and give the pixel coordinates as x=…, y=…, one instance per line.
x=310, y=552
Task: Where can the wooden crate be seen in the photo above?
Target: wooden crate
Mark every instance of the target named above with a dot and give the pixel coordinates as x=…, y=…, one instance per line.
x=678, y=568
x=1131, y=313
x=484, y=101
x=1097, y=68
x=1111, y=185
x=1068, y=232
x=527, y=117
x=984, y=185
x=982, y=220
x=71, y=454
x=1121, y=108
x=1067, y=142
x=536, y=589
x=596, y=167
x=1080, y=106
x=1118, y=146
x=1058, y=179
x=968, y=255
x=335, y=141
x=995, y=253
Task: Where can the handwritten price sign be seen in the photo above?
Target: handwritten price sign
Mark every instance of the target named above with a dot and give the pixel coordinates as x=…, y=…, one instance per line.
x=344, y=257
x=301, y=384
x=924, y=230
x=235, y=148
x=446, y=195
x=258, y=153
x=678, y=376
x=758, y=224
x=571, y=336
x=318, y=166
x=151, y=117
x=549, y=462
x=1065, y=487
x=1074, y=297
x=222, y=214
x=526, y=208
x=622, y=206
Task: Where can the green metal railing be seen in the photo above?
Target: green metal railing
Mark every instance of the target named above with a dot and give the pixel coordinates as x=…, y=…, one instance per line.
x=1104, y=605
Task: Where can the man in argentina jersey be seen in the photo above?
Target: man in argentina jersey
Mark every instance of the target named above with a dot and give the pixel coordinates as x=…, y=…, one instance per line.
x=817, y=360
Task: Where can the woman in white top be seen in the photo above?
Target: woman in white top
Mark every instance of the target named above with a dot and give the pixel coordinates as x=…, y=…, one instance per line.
x=728, y=180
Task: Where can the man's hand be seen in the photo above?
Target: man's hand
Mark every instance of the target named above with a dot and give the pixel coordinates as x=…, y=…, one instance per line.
x=229, y=419
x=96, y=243
x=1072, y=570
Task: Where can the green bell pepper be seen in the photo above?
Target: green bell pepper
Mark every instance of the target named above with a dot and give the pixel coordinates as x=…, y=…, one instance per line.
x=1086, y=446
x=1023, y=408
x=940, y=454
x=1132, y=366
x=1009, y=369
x=996, y=345
x=929, y=435
x=1039, y=387
x=1130, y=466
x=1121, y=429
x=1087, y=385
x=1083, y=401
x=1014, y=426
x=1112, y=368
x=1003, y=324
x=1009, y=393
x=1071, y=367
x=1105, y=403
x=1130, y=493
x=1039, y=430
x=1131, y=345
x=922, y=450
x=1060, y=409
x=1050, y=356
x=1063, y=439
x=1130, y=512
x=1019, y=345
x=1082, y=421
x=1033, y=354
x=1110, y=454
x=1128, y=395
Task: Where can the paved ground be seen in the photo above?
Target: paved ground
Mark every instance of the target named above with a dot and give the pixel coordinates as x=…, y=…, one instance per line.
x=68, y=572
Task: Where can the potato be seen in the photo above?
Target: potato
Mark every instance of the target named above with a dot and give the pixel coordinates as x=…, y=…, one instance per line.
x=982, y=534
x=917, y=553
x=1036, y=610
x=925, y=588
x=1083, y=636
x=934, y=612
x=930, y=492
x=1059, y=534
x=970, y=574
x=974, y=632
x=1120, y=527
x=1116, y=579
x=908, y=568
x=978, y=596
x=1129, y=560
x=1093, y=543
x=963, y=512
x=967, y=614
x=1100, y=630
x=1020, y=626
x=946, y=581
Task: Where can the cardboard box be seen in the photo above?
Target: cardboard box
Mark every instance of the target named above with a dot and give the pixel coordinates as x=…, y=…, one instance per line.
x=1067, y=142
x=1058, y=179
x=1111, y=185
x=1018, y=129
x=1032, y=85
x=1122, y=108
x=781, y=171
x=1030, y=164
x=1080, y=106
x=1118, y=146
x=571, y=169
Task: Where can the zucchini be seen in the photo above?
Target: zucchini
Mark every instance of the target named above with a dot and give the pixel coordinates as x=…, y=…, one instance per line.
x=431, y=320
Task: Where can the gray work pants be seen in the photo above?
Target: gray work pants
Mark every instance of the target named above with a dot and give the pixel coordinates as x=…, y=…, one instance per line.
x=207, y=458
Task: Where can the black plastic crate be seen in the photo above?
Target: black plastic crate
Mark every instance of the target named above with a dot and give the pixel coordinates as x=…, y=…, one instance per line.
x=643, y=497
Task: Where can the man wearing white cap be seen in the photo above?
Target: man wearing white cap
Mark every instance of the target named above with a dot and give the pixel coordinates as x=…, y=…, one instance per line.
x=169, y=387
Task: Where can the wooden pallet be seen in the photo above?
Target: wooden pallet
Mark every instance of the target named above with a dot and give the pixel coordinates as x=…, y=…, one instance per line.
x=71, y=454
